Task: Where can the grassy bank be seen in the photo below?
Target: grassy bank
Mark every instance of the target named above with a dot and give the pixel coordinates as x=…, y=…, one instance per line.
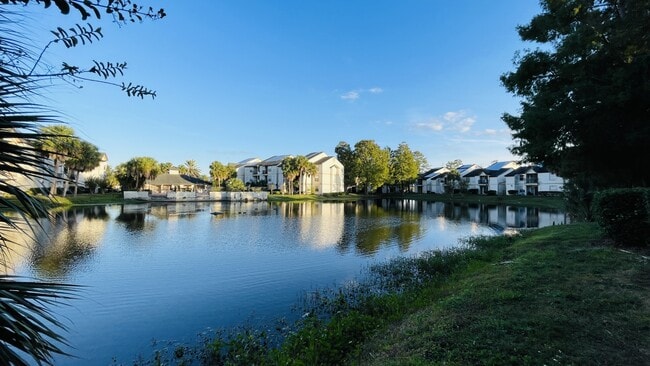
x=558, y=295
x=529, y=201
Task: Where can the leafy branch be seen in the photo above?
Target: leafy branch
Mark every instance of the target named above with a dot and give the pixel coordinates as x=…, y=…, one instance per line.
x=121, y=10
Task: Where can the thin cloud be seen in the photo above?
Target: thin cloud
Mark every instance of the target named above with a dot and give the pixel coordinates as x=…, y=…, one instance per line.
x=353, y=95
x=451, y=121
x=350, y=96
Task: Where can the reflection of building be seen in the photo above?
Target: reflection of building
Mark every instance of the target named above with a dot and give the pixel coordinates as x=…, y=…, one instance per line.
x=496, y=215
x=320, y=224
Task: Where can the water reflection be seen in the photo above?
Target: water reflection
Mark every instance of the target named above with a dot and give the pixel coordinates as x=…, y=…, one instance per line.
x=68, y=240
x=166, y=271
x=134, y=217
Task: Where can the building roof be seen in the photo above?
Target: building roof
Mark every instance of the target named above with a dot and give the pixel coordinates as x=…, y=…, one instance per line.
x=429, y=172
x=274, y=160
x=248, y=161
x=498, y=165
x=525, y=169
x=474, y=173
x=176, y=180
x=496, y=173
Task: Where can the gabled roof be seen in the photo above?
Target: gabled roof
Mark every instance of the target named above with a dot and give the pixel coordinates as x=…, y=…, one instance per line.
x=323, y=159
x=526, y=169
x=176, y=180
x=520, y=170
x=432, y=172
x=274, y=160
x=501, y=165
x=496, y=173
x=248, y=161
x=474, y=173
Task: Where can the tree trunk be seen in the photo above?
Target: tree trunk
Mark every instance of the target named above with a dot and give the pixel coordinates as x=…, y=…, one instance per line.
x=76, y=183
x=53, y=180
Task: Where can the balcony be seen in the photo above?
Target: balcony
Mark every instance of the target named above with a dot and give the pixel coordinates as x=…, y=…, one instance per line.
x=531, y=179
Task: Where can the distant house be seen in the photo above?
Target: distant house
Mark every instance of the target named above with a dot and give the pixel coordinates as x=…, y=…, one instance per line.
x=328, y=179
x=329, y=175
x=476, y=181
x=269, y=172
x=533, y=180
x=433, y=180
x=496, y=176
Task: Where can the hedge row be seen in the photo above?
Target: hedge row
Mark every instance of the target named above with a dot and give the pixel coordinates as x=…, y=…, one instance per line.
x=624, y=215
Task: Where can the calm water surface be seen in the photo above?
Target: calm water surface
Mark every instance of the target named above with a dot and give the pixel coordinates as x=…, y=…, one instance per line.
x=169, y=272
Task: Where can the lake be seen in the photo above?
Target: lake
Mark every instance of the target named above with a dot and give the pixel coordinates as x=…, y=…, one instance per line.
x=168, y=272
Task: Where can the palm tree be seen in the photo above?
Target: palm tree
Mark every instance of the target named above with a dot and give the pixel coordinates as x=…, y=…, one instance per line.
x=56, y=144
x=29, y=329
x=192, y=169
x=141, y=169
x=290, y=170
x=83, y=157
x=305, y=168
x=220, y=172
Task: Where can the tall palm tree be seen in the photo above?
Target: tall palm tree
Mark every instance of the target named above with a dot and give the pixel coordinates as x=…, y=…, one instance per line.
x=83, y=157
x=192, y=168
x=290, y=171
x=29, y=329
x=305, y=169
x=57, y=144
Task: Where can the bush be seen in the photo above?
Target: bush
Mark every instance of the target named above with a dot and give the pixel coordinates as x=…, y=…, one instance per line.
x=491, y=193
x=624, y=215
x=235, y=185
x=472, y=191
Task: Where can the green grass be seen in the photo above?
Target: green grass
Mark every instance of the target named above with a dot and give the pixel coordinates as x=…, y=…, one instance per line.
x=528, y=201
x=553, y=296
x=558, y=295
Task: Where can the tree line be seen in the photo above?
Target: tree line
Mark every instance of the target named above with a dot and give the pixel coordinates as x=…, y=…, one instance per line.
x=369, y=166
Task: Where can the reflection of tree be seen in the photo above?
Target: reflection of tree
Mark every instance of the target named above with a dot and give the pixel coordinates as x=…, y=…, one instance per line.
x=134, y=219
x=373, y=224
x=68, y=240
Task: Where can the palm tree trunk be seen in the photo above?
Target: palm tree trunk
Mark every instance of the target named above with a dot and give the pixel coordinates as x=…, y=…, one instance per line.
x=53, y=179
x=76, y=183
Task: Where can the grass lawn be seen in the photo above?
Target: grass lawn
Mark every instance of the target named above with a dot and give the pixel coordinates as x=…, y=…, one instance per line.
x=558, y=295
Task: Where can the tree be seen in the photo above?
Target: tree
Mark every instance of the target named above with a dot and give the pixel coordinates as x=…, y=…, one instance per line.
x=585, y=94
x=165, y=167
x=305, y=169
x=29, y=328
x=371, y=164
x=192, y=169
x=290, y=171
x=345, y=155
x=220, y=172
x=423, y=164
x=235, y=185
x=404, y=168
x=140, y=169
x=84, y=156
x=56, y=142
x=453, y=179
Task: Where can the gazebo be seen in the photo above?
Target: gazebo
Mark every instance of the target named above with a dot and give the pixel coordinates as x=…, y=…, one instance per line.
x=167, y=182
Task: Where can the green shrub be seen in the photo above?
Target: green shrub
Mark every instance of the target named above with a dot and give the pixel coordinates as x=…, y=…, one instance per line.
x=235, y=185
x=624, y=215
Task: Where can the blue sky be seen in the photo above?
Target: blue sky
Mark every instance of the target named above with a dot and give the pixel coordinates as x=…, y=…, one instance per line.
x=238, y=79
